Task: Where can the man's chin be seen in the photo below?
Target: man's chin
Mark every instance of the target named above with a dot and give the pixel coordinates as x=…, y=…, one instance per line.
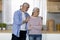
x=25, y=11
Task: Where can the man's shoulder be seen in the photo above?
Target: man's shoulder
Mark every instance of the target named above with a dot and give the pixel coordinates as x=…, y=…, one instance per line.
x=27, y=14
x=17, y=12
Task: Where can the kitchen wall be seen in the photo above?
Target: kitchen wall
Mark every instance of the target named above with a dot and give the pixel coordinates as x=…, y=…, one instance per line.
x=0, y=17
x=55, y=16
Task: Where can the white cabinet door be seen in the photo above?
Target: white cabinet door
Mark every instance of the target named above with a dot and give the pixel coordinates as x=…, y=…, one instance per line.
x=52, y=36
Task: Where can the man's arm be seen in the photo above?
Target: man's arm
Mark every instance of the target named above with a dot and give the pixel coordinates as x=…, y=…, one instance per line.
x=17, y=18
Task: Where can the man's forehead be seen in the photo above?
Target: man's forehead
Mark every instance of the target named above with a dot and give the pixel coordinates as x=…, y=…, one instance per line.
x=26, y=6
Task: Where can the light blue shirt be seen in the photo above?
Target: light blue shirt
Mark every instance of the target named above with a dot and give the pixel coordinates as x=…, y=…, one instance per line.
x=17, y=22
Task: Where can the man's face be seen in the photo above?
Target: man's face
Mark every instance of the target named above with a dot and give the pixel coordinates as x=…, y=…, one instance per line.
x=26, y=7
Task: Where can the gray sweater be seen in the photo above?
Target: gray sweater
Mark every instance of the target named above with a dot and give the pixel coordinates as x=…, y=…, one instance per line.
x=35, y=25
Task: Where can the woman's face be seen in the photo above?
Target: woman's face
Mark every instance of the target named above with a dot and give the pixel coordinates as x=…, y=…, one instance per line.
x=36, y=12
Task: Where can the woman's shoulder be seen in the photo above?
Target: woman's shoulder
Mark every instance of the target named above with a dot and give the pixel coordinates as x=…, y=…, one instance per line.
x=40, y=17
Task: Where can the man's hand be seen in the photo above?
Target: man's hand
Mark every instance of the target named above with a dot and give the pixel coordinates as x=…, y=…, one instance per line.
x=27, y=19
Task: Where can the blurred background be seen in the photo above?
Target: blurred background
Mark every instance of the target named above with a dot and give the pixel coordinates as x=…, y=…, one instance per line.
x=8, y=7
x=53, y=15
x=49, y=10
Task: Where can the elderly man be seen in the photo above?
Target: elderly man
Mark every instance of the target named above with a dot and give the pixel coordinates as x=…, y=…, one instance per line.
x=21, y=17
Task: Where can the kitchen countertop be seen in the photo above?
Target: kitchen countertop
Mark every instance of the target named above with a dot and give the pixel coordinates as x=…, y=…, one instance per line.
x=5, y=31
x=51, y=32
x=47, y=32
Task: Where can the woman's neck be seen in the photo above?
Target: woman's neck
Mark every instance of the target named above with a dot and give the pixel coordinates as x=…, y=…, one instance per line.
x=34, y=16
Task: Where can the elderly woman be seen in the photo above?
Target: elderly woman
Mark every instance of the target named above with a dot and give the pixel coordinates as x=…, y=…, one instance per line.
x=35, y=25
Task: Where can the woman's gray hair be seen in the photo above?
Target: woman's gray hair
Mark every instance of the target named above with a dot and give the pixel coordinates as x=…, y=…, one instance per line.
x=36, y=8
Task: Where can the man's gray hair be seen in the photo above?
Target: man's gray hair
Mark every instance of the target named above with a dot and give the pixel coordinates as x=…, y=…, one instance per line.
x=25, y=4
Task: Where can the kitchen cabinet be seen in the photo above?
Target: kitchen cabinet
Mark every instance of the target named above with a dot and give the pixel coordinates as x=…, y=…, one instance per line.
x=53, y=6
